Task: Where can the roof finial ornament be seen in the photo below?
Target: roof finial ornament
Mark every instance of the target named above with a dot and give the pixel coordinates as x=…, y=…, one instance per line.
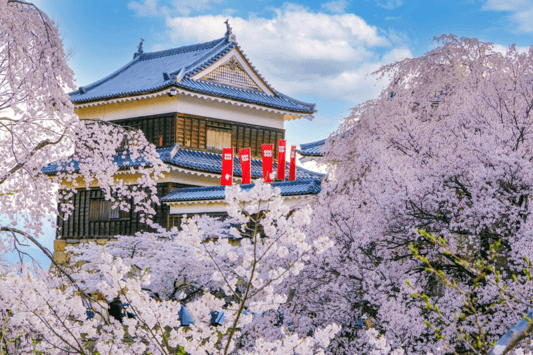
x=229, y=34
x=228, y=28
x=140, y=47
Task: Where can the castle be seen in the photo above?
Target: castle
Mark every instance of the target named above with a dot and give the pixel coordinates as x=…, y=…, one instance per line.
x=198, y=98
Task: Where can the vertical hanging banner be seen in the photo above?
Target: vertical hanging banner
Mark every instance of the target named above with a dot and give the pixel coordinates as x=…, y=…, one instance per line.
x=227, y=166
x=268, y=152
x=281, y=159
x=292, y=167
x=244, y=156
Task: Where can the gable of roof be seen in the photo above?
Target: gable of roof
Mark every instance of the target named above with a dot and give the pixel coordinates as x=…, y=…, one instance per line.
x=177, y=68
x=232, y=69
x=287, y=188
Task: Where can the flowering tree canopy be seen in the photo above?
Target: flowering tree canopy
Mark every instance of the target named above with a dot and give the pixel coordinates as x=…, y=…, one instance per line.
x=239, y=281
x=446, y=148
x=427, y=195
x=38, y=127
x=47, y=312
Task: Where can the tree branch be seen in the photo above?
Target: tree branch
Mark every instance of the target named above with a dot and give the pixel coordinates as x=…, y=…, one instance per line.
x=32, y=153
x=51, y=257
x=514, y=336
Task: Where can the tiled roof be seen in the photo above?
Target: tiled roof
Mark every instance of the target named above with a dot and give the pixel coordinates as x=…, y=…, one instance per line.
x=212, y=162
x=288, y=188
x=54, y=168
x=151, y=72
x=313, y=149
x=198, y=161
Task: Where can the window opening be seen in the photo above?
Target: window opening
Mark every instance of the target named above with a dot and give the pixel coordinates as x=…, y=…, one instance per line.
x=218, y=138
x=102, y=209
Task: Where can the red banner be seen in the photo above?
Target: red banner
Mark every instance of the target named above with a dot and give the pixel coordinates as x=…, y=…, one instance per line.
x=282, y=144
x=268, y=153
x=292, y=168
x=244, y=156
x=227, y=166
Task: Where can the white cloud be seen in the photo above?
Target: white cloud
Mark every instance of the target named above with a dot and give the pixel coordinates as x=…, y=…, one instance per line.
x=148, y=8
x=522, y=12
x=389, y=4
x=336, y=7
x=304, y=53
x=170, y=8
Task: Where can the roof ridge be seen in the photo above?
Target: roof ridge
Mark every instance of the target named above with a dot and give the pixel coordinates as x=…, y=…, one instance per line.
x=218, y=192
x=254, y=163
x=113, y=85
x=148, y=56
x=103, y=80
x=202, y=66
x=182, y=49
x=208, y=58
x=281, y=104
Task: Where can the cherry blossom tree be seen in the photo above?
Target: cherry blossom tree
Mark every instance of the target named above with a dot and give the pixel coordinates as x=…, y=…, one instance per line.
x=241, y=283
x=47, y=312
x=424, y=184
x=446, y=148
x=38, y=127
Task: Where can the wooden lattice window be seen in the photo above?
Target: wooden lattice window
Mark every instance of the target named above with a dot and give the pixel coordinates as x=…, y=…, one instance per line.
x=102, y=209
x=218, y=138
x=232, y=73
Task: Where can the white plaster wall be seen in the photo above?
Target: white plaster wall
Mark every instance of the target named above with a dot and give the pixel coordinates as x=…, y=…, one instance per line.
x=224, y=111
x=183, y=104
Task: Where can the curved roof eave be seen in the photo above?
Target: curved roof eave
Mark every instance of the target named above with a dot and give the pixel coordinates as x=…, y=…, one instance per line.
x=171, y=84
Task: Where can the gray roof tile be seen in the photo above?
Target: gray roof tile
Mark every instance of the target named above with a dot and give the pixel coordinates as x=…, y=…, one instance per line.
x=145, y=74
x=288, y=188
x=194, y=160
x=313, y=149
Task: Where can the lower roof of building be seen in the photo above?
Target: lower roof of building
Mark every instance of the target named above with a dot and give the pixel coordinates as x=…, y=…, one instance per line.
x=191, y=160
x=310, y=186
x=313, y=149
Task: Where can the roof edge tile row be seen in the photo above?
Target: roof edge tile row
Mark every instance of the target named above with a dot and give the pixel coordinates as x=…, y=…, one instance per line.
x=287, y=188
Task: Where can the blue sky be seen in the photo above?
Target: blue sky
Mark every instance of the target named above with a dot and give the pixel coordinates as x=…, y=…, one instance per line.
x=315, y=51
x=46, y=240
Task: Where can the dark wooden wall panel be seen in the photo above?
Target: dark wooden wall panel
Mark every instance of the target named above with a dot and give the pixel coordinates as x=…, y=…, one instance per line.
x=260, y=138
x=234, y=134
x=180, y=131
x=191, y=132
x=252, y=143
x=202, y=132
x=160, y=130
x=80, y=226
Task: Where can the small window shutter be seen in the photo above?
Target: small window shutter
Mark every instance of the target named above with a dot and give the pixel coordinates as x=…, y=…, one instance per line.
x=217, y=139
